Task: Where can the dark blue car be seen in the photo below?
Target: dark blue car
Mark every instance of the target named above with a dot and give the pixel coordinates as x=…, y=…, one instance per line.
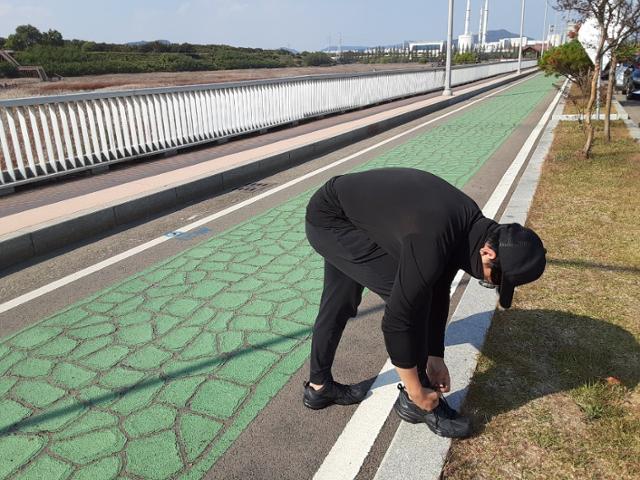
x=628, y=78
x=632, y=85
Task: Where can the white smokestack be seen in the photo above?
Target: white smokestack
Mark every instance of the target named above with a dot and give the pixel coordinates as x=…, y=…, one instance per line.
x=485, y=21
x=467, y=18
x=465, y=41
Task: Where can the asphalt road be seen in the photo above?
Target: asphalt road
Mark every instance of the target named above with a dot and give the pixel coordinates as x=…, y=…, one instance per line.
x=189, y=357
x=631, y=106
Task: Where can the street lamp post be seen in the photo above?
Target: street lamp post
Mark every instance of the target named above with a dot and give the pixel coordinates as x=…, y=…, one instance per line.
x=447, y=72
x=544, y=27
x=521, y=33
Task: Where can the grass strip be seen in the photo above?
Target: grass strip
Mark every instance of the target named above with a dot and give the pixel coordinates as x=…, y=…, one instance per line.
x=555, y=393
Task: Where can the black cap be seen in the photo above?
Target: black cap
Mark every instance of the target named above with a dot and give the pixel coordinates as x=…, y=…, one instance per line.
x=522, y=259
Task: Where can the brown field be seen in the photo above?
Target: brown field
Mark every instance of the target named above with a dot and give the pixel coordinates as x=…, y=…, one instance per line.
x=27, y=87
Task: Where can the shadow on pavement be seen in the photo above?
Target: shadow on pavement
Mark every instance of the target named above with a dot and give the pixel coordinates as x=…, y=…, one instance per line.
x=533, y=353
x=161, y=379
x=150, y=382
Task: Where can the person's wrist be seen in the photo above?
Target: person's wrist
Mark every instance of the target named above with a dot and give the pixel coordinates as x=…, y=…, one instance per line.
x=426, y=399
x=415, y=392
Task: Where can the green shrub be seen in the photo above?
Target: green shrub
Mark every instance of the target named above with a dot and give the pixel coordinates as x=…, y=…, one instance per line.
x=569, y=60
x=464, y=57
x=7, y=70
x=79, y=57
x=316, y=59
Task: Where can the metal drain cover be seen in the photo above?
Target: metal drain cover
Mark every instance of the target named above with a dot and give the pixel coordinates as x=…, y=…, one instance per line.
x=255, y=187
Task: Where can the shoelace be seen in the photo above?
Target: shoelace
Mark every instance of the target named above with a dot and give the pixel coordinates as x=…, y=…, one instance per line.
x=440, y=406
x=333, y=389
x=446, y=408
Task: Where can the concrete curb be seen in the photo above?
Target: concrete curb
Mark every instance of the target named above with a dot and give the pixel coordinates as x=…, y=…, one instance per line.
x=46, y=238
x=575, y=118
x=621, y=115
x=415, y=452
x=634, y=130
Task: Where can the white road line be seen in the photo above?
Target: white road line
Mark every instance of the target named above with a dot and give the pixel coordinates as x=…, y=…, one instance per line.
x=352, y=446
x=50, y=287
x=347, y=454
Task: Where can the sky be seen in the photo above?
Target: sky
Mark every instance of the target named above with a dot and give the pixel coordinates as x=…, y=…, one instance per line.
x=297, y=24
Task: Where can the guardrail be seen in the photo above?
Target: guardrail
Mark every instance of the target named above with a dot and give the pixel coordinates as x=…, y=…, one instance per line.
x=51, y=136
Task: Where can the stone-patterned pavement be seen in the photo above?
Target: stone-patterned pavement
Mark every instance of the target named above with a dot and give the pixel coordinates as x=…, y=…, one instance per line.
x=156, y=376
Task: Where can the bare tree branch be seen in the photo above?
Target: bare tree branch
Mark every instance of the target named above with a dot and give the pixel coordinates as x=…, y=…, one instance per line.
x=617, y=21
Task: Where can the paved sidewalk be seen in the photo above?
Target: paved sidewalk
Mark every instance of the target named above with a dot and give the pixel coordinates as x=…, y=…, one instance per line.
x=155, y=377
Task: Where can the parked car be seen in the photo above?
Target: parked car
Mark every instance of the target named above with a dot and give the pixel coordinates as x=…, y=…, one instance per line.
x=624, y=75
x=632, y=83
x=622, y=71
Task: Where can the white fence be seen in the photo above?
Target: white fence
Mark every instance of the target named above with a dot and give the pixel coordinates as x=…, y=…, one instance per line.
x=51, y=136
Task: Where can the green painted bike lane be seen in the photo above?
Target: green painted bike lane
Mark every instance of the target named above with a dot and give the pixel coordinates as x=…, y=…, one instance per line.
x=156, y=376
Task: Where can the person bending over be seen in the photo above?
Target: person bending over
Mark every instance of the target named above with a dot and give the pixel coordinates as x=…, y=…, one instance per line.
x=403, y=234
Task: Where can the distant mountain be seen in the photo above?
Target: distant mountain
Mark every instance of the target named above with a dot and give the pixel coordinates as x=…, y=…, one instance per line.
x=290, y=50
x=144, y=42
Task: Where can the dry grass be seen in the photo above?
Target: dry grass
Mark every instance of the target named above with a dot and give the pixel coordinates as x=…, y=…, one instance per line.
x=577, y=102
x=23, y=88
x=556, y=393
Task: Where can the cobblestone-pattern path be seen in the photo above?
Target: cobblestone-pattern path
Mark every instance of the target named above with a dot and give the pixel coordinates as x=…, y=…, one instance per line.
x=156, y=376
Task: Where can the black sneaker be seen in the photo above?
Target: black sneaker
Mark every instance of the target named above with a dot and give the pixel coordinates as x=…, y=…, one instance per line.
x=436, y=419
x=448, y=411
x=333, y=392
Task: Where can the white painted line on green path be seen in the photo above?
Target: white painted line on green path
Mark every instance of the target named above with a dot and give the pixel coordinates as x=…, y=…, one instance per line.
x=415, y=452
x=50, y=287
x=352, y=447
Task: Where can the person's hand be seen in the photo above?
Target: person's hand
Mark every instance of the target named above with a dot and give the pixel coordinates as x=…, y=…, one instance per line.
x=425, y=398
x=438, y=374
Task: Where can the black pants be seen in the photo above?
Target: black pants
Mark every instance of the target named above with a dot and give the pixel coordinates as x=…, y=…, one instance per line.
x=352, y=261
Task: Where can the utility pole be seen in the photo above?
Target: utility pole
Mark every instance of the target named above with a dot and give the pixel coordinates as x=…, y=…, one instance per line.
x=521, y=34
x=544, y=27
x=447, y=72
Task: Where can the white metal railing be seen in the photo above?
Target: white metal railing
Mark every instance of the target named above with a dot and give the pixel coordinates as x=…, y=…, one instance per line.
x=50, y=136
x=461, y=76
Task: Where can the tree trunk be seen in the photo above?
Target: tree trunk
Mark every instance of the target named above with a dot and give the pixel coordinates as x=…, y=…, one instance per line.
x=588, y=123
x=586, y=151
x=610, y=89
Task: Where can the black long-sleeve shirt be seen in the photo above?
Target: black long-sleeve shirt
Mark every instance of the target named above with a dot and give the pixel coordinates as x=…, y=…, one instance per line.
x=430, y=227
